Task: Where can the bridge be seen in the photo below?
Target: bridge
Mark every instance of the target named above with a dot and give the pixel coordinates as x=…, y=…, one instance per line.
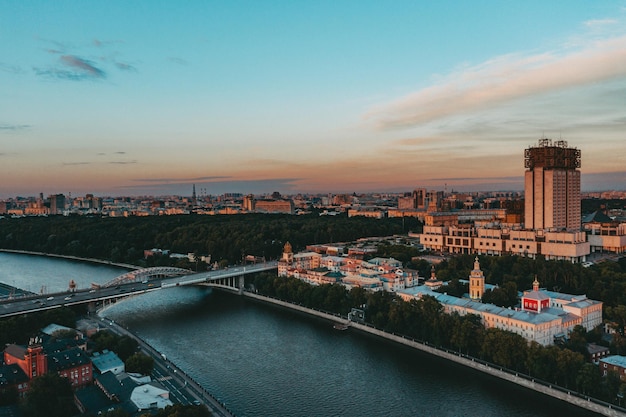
x=132, y=284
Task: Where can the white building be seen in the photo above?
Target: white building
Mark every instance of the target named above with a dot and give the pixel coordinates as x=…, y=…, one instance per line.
x=148, y=396
x=543, y=316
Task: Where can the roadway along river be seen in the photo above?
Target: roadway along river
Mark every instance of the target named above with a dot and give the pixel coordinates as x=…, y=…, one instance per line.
x=261, y=361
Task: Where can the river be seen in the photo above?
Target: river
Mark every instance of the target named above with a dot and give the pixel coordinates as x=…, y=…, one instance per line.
x=262, y=361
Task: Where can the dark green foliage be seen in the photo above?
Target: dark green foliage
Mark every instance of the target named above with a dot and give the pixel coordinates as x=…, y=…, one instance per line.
x=19, y=329
x=9, y=396
x=178, y=410
x=402, y=253
x=49, y=395
x=224, y=237
x=454, y=288
x=140, y=363
x=118, y=412
x=123, y=346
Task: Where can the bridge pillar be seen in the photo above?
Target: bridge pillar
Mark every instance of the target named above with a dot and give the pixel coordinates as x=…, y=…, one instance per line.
x=241, y=284
x=92, y=307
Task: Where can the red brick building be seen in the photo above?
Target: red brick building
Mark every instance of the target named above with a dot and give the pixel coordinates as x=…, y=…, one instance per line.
x=33, y=360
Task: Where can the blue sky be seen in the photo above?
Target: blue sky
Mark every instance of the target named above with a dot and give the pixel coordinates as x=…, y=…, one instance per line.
x=149, y=97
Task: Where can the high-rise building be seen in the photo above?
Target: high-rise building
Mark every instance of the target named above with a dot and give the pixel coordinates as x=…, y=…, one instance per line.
x=552, y=186
x=57, y=203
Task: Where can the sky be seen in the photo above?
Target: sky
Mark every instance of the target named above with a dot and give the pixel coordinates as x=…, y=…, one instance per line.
x=149, y=97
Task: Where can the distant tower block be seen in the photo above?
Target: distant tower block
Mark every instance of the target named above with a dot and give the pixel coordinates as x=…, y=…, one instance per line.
x=552, y=186
x=477, y=282
x=193, y=194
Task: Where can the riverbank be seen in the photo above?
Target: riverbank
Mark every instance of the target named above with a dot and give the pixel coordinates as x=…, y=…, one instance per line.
x=522, y=380
x=183, y=387
x=73, y=258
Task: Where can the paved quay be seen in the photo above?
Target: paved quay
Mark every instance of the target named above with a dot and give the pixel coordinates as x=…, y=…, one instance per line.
x=183, y=389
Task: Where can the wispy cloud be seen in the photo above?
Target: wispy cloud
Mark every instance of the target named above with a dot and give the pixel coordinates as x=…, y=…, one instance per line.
x=179, y=180
x=72, y=68
x=123, y=162
x=83, y=66
x=12, y=128
x=594, y=23
x=13, y=69
x=73, y=65
x=75, y=163
x=215, y=187
x=502, y=79
x=177, y=60
x=125, y=67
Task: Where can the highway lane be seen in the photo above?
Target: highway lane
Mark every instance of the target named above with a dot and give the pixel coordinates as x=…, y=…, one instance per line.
x=40, y=302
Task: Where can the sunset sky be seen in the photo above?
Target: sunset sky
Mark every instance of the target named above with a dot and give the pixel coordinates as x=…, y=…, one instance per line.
x=150, y=97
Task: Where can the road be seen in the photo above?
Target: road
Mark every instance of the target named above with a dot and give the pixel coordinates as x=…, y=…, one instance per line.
x=183, y=389
x=39, y=302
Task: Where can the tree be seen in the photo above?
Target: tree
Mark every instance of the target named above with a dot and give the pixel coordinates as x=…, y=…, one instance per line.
x=179, y=410
x=588, y=380
x=611, y=386
x=9, y=396
x=125, y=347
x=118, y=412
x=466, y=334
x=49, y=395
x=504, y=348
x=140, y=363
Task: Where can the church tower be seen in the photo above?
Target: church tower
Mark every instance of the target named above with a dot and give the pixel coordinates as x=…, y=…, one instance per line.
x=287, y=254
x=476, y=282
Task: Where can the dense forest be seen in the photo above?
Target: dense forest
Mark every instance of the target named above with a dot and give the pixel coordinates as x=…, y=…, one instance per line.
x=227, y=238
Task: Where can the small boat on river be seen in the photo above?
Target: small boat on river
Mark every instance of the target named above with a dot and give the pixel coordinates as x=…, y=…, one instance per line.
x=340, y=326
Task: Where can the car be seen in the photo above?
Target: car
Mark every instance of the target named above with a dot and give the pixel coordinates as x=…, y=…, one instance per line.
x=145, y=281
x=50, y=298
x=587, y=264
x=69, y=297
x=196, y=402
x=92, y=290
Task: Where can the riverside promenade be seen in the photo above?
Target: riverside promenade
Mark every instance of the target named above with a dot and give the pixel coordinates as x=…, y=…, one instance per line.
x=183, y=388
x=560, y=393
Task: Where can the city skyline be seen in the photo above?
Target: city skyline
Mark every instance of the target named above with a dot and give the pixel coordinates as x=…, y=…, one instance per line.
x=140, y=98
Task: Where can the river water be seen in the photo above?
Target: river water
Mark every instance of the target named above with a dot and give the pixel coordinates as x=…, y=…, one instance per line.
x=263, y=361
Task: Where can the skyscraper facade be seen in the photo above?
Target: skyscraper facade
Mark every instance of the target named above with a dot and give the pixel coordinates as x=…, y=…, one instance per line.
x=57, y=204
x=552, y=186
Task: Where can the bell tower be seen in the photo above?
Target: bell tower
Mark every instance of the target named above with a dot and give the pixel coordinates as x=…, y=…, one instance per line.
x=288, y=253
x=476, y=282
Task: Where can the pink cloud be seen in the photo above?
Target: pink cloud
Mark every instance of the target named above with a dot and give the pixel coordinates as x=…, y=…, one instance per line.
x=504, y=79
